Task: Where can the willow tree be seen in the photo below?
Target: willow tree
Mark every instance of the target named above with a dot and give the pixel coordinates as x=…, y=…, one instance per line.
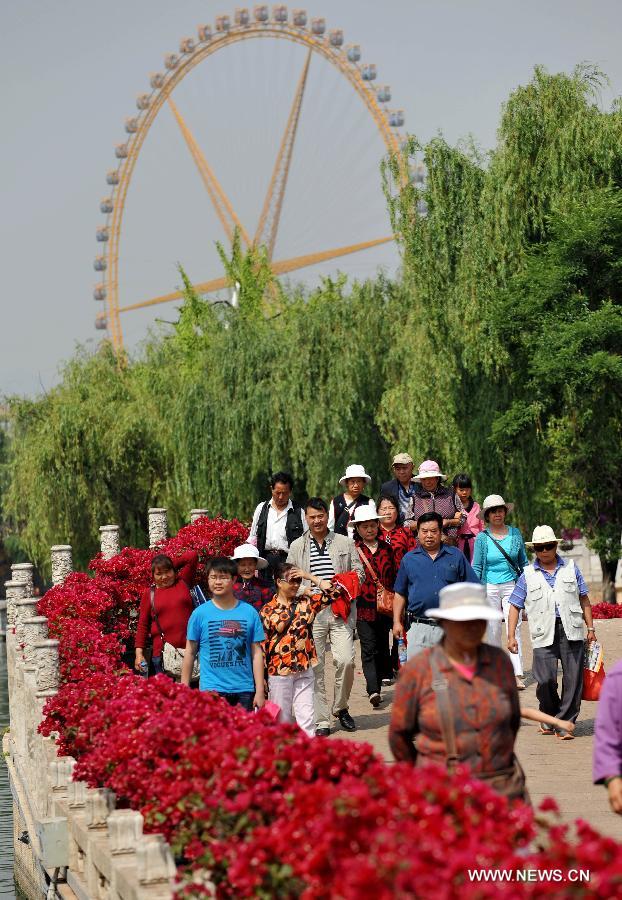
x=82, y=455
x=484, y=215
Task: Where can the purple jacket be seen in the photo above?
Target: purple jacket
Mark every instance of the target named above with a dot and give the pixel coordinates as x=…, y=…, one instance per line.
x=608, y=727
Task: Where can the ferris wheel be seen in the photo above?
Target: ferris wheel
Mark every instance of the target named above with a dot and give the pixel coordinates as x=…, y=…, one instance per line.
x=276, y=23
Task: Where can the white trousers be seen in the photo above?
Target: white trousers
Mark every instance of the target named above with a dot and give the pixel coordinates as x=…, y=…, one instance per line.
x=294, y=694
x=498, y=596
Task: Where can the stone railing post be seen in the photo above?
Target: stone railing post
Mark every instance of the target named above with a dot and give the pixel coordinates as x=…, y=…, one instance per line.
x=15, y=590
x=62, y=562
x=76, y=795
x=24, y=609
x=154, y=859
x=158, y=526
x=109, y=541
x=198, y=514
x=99, y=802
x=48, y=669
x=35, y=629
x=22, y=573
x=125, y=829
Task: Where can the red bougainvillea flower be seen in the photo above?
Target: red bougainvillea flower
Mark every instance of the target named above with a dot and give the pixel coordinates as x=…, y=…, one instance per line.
x=253, y=808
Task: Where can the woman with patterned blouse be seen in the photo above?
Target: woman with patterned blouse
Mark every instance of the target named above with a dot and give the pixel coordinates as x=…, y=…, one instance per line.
x=289, y=649
x=399, y=539
x=460, y=692
x=373, y=628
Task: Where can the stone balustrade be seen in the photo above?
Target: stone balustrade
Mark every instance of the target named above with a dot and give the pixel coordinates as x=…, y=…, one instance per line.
x=67, y=830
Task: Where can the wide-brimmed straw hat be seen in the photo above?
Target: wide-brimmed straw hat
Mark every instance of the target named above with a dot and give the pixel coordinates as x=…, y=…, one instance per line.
x=429, y=469
x=464, y=602
x=491, y=502
x=542, y=534
x=355, y=472
x=246, y=551
x=366, y=512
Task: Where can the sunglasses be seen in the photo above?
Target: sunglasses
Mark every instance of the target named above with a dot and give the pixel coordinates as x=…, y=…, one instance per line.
x=292, y=580
x=540, y=547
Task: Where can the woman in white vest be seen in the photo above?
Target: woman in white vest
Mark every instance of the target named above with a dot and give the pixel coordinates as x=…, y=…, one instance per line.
x=554, y=595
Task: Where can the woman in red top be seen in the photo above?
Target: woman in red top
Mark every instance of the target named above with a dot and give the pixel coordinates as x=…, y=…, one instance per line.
x=373, y=628
x=173, y=606
x=400, y=539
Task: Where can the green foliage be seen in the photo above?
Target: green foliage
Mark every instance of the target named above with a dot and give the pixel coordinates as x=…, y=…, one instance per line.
x=496, y=352
x=565, y=367
x=84, y=455
x=484, y=217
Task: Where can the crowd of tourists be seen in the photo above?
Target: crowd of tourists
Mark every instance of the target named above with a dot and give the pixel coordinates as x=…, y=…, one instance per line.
x=423, y=575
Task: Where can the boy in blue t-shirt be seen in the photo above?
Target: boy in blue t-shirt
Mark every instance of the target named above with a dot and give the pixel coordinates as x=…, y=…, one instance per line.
x=227, y=634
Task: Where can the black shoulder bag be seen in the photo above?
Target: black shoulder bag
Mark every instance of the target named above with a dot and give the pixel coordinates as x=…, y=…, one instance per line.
x=515, y=565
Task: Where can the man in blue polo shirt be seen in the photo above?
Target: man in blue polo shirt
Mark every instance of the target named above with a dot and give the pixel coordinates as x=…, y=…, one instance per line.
x=422, y=573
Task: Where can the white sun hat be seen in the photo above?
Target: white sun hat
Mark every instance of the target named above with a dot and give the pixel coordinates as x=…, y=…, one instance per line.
x=429, y=469
x=355, y=472
x=366, y=512
x=491, y=501
x=542, y=534
x=464, y=602
x=246, y=551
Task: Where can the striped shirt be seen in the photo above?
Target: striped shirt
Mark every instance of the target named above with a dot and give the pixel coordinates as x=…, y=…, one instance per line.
x=320, y=562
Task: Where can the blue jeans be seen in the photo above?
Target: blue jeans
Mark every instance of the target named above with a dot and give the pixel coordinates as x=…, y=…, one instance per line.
x=156, y=662
x=421, y=636
x=243, y=699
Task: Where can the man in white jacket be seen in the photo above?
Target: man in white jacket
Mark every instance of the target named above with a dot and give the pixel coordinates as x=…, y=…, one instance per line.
x=554, y=595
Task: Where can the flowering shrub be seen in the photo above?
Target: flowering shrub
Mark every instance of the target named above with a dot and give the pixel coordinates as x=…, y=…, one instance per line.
x=258, y=809
x=607, y=611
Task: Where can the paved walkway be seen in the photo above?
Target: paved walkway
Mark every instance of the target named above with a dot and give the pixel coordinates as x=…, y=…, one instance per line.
x=560, y=769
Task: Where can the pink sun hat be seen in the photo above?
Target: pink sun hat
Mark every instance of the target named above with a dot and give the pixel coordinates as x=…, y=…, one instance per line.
x=429, y=469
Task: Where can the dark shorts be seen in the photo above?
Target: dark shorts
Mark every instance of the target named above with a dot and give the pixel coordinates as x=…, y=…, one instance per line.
x=243, y=699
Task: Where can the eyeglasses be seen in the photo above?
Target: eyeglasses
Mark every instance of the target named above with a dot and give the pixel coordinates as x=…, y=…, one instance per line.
x=540, y=547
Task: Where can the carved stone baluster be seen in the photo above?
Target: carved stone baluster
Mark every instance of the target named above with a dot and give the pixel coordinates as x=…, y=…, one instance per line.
x=158, y=526
x=109, y=541
x=198, y=514
x=23, y=573
x=35, y=629
x=62, y=562
x=24, y=609
x=99, y=802
x=60, y=772
x=125, y=829
x=48, y=672
x=76, y=795
x=15, y=590
x=154, y=859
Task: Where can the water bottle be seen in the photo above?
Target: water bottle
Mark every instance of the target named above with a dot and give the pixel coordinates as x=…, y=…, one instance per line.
x=144, y=668
x=402, y=653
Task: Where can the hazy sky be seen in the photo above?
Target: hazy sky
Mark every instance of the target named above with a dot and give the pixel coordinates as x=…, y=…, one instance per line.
x=71, y=71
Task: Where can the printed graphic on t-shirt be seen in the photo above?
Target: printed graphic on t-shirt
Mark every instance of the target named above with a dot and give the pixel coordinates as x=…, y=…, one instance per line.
x=227, y=643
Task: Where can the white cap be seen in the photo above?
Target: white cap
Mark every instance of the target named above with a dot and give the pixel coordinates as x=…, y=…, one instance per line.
x=246, y=551
x=355, y=472
x=542, y=534
x=464, y=602
x=492, y=501
x=367, y=512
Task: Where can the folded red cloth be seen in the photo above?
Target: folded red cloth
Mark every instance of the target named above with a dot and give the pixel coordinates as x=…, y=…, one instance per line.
x=349, y=589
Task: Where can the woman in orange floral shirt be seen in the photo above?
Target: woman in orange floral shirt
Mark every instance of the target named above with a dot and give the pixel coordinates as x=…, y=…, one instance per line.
x=290, y=652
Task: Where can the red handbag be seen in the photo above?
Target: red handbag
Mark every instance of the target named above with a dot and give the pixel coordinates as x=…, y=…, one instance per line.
x=592, y=683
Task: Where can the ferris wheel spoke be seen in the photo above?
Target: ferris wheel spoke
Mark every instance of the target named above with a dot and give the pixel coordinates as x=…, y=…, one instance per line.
x=271, y=212
x=220, y=201
x=312, y=259
x=278, y=268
